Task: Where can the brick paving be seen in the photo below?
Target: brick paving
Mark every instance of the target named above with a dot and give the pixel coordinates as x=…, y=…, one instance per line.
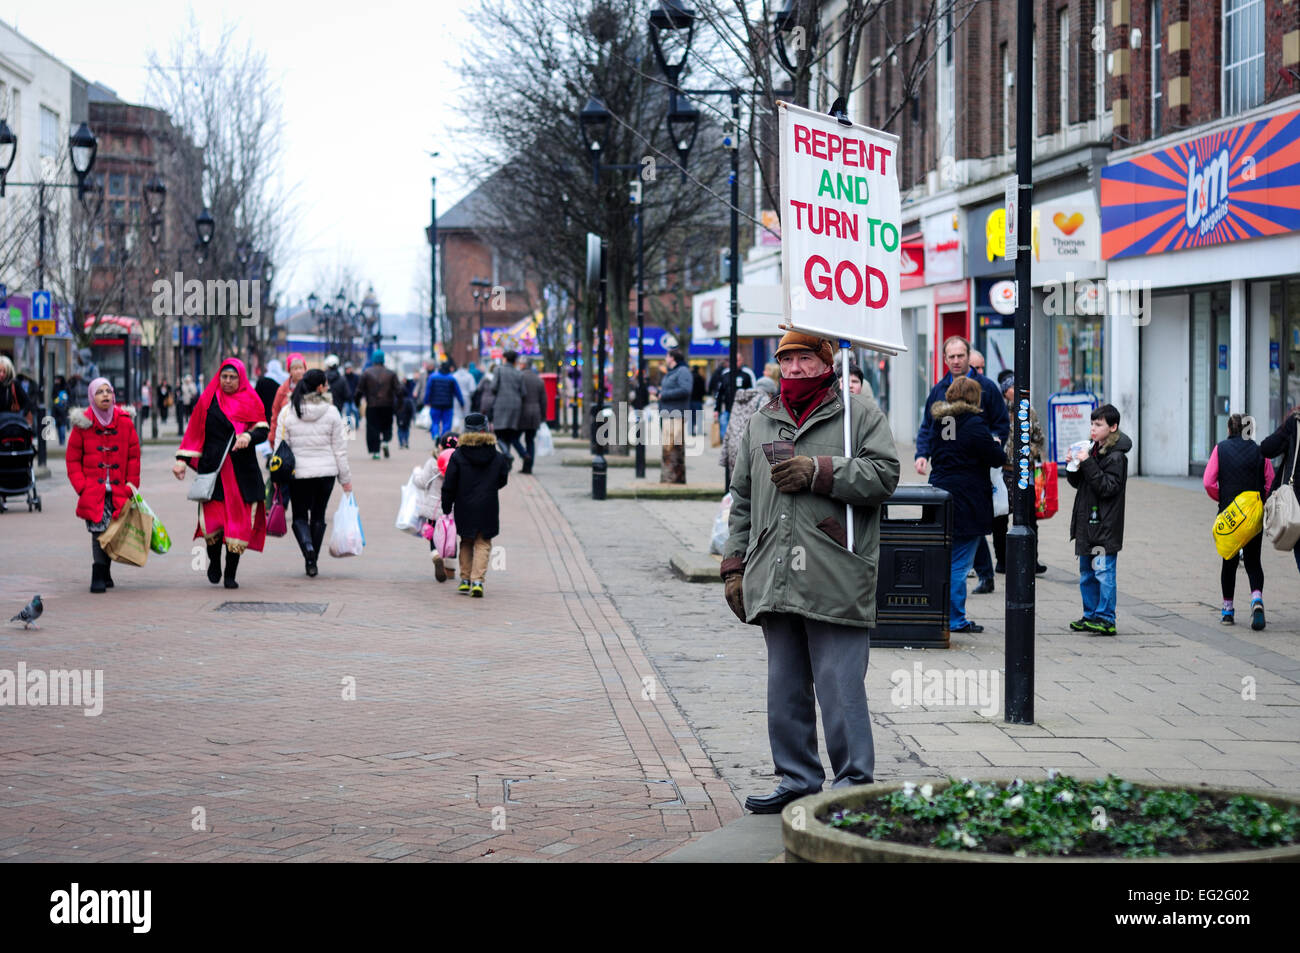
x=1174, y=698
x=526, y=726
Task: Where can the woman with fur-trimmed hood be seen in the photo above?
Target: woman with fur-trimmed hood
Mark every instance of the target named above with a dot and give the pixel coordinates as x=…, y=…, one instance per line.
x=103, y=456
x=475, y=474
x=963, y=449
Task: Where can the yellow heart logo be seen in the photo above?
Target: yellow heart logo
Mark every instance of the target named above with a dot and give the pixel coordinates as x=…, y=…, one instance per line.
x=1068, y=225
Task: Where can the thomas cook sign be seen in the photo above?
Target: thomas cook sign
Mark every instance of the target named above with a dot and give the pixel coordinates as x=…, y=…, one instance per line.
x=840, y=229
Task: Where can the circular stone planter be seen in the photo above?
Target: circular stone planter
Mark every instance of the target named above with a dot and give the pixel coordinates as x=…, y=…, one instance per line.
x=809, y=841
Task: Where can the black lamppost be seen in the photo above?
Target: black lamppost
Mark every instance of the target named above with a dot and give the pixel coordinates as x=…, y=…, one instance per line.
x=666, y=23
x=82, y=147
x=482, y=288
x=370, y=309
x=594, y=119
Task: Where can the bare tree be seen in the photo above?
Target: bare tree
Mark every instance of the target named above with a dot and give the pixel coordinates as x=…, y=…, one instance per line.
x=529, y=74
x=223, y=98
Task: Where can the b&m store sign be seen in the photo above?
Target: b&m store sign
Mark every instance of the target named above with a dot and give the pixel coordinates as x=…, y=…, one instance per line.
x=1228, y=186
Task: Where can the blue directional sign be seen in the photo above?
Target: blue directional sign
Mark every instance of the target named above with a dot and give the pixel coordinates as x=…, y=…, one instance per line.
x=42, y=319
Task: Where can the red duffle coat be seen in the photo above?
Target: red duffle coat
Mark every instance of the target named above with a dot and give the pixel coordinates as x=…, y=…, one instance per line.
x=95, y=452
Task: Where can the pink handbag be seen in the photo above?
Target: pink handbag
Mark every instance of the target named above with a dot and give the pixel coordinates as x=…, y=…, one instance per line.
x=444, y=536
x=276, y=522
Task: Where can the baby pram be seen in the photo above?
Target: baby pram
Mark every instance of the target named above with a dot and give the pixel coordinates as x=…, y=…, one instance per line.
x=17, y=461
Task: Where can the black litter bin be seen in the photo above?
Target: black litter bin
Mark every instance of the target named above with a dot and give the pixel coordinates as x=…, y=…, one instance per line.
x=914, y=569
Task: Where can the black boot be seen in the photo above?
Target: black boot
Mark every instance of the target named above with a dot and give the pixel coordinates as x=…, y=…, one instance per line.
x=232, y=565
x=214, y=563
x=302, y=533
x=108, y=575
x=318, y=536
x=97, y=577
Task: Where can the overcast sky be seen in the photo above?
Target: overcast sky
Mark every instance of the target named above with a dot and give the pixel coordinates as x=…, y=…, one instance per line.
x=369, y=89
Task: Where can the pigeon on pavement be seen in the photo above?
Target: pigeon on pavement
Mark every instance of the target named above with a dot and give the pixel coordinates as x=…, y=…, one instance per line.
x=31, y=612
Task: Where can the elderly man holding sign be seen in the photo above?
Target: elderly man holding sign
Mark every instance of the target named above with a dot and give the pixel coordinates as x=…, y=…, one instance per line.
x=816, y=462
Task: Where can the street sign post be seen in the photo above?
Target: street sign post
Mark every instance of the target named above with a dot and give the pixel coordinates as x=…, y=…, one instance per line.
x=41, y=323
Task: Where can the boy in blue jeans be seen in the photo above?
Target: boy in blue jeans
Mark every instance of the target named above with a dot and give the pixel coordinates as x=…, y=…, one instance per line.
x=1099, y=475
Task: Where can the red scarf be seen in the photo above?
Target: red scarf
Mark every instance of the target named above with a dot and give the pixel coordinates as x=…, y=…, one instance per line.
x=243, y=408
x=802, y=395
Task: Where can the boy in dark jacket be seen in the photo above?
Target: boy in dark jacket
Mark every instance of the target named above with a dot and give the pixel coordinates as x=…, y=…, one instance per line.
x=475, y=474
x=1097, y=523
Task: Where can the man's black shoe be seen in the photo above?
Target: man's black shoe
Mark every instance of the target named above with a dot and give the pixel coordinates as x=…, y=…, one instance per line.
x=984, y=587
x=774, y=802
x=968, y=626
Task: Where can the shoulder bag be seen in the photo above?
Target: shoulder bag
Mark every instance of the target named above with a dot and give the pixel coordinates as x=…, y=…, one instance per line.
x=205, y=484
x=1282, y=509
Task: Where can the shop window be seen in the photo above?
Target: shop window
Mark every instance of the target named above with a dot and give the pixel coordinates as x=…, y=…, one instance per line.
x=1063, y=66
x=49, y=132
x=1243, y=55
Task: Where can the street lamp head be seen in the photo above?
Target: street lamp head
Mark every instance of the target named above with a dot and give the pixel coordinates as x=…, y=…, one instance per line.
x=676, y=24
x=784, y=23
x=352, y=310
x=83, y=146
x=155, y=196
x=312, y=301
x=683, y=124
x=8, y=151
x=341, y=301
x=595, y=120
x=242, y=253
x=370, y=304
x=268, y=270
x=92, y=196
x=205, y=225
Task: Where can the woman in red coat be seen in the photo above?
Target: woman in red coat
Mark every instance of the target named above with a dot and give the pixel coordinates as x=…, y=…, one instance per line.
x=103, y=457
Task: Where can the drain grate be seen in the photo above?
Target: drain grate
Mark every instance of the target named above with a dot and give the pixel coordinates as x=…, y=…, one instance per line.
x=304, y=608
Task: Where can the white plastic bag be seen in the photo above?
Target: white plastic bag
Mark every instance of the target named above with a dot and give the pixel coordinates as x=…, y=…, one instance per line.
x=424, y=419
x=720, y=529
x=347, y=538
x=1001, y=502
x=544, y=443
x=408, y=513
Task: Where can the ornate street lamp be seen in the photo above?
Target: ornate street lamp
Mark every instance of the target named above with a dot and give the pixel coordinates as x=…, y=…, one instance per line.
x=83, y=145
x=8, y=152
x=594, y=120
x=665, y=21
x=155, y=195
x=683, y=124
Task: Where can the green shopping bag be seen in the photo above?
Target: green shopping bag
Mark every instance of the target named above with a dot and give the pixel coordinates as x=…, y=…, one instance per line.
x=159, y=540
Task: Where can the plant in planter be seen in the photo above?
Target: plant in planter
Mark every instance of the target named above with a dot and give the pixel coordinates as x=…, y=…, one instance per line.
x=1059, y=817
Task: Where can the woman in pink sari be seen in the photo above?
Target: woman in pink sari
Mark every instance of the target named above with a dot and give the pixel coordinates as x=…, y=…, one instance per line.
x=236, y=514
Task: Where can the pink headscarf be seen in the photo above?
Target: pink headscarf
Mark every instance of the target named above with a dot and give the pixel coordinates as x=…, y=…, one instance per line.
x=105, y=417
x=296, y=357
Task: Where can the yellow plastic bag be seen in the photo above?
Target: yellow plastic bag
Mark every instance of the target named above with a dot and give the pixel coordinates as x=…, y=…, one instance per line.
x=1239, y=523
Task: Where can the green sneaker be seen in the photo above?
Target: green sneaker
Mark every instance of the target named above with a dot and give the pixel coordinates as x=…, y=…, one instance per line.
x=1098, y=627
x=463, y=587
x=476, y=590
x=1080, y=625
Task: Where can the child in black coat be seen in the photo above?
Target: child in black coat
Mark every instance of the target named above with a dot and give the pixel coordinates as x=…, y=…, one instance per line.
x=475, y=474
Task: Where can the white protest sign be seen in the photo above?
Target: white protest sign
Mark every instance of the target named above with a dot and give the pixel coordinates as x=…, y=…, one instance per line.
x=840, y=230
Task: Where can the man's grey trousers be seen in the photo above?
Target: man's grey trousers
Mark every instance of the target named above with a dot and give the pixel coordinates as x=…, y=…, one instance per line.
x=803, y=653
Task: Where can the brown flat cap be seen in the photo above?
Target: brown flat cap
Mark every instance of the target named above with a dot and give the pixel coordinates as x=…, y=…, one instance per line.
x=798, y=341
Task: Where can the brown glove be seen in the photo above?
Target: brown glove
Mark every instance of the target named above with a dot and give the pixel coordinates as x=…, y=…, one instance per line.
x=794, y=475
x=735, y=586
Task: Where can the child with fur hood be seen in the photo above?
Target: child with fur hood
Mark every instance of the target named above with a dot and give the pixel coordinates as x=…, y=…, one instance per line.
x=476, y=473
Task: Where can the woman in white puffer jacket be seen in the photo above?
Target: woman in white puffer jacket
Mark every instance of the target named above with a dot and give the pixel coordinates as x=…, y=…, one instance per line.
x=313, y=428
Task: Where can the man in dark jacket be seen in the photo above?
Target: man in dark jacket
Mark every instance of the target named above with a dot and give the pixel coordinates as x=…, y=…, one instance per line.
x=957, y=356
x=674, y=404
x=441, y=394
x=1097, y=522
x=475, y=474
x=380, y=389
x=338, y=385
